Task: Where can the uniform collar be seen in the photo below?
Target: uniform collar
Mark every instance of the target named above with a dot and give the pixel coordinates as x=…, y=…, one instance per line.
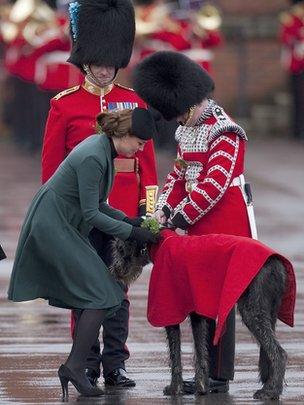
x=94, y=89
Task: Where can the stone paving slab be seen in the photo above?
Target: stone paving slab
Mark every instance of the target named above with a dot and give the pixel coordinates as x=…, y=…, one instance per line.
x=34, y=338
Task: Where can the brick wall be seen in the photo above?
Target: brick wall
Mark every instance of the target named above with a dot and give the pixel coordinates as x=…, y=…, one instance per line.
x=255, y=74
x=247, y=68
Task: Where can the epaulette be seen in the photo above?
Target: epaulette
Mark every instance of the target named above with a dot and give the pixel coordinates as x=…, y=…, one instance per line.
x=285, y=18
x=66, y=92
x=124, y=87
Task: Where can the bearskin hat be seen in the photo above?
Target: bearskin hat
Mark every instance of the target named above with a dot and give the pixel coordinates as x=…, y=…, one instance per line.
x=171, y=83
x=105, y=31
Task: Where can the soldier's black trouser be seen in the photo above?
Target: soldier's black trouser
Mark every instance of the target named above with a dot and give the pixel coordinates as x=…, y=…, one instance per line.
x=115, y=329
x=221, y=356
x=297, y=89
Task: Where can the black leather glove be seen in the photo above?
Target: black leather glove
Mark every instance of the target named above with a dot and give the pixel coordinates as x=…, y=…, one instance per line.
x=166, y=211
x=179, y=221
x=136, y=221
x=143, y=235
x=142, y=210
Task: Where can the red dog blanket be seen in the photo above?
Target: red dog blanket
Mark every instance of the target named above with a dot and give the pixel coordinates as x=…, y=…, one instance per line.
x=207, y=274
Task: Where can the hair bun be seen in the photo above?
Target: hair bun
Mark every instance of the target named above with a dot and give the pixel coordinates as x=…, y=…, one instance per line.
x=116, y=123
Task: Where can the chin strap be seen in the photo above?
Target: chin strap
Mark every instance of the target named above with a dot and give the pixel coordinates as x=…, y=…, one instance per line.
x=190, y=115
x=93, y=78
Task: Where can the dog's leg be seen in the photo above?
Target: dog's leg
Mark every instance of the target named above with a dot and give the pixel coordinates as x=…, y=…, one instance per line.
x=259, y=307
x=200, y=332
x=174, y=344
x=265, y=367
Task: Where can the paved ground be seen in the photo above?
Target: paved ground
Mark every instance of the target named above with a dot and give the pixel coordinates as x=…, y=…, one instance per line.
x=34, y=338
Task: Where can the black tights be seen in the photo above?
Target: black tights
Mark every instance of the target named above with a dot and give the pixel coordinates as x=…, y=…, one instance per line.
x=86, y=334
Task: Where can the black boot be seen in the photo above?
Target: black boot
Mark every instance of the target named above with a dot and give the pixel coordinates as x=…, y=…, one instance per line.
x=215, y=386
x=82, y=386
x=86, y=333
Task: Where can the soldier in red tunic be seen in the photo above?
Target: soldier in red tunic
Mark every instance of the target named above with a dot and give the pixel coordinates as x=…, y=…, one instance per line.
x=193, y=33
x=292, y=39
x=103, y=39
x=205, y=192
x=31, y=30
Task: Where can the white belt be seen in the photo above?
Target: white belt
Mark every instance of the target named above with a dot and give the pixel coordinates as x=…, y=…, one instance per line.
x=240, y=181
x=236, y=181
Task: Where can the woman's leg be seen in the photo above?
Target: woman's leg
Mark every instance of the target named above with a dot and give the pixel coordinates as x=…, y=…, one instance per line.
x=86, y=334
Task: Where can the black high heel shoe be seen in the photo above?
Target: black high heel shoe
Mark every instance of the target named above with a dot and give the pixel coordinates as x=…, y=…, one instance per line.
x=66, y=375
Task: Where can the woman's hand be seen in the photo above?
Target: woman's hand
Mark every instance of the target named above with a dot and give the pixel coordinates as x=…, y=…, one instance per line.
x=143, y=235
x=136, y=221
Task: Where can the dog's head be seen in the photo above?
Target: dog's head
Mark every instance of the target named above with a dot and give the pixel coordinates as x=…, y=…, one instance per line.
x=129, y=258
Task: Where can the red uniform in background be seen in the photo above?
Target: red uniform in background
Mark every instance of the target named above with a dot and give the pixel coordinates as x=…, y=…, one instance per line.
x=42, y=59
x=53, y=72
x=158, y=29
x=292, y=39
x=201, y=50
x=72, y=119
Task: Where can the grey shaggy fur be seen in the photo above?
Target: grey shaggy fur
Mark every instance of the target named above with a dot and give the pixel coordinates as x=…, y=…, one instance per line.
x=258, y=307
x=128, y=260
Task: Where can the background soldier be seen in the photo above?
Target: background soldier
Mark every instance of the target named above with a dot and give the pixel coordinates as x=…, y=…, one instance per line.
x=292, y=39
x=34, y=36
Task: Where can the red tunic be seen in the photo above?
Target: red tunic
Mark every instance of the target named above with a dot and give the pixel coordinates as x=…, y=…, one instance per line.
x=72, y=119
x=200, y=187
x=21, y=57
x=207, y=275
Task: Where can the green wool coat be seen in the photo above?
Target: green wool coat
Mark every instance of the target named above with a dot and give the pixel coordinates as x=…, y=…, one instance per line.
x=54, y=259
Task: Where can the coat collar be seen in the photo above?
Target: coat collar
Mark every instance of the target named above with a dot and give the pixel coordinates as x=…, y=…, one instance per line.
x=96, y=90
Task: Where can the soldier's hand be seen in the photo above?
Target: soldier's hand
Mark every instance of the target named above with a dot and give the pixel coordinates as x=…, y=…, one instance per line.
x=160, y=217
x=179, y=221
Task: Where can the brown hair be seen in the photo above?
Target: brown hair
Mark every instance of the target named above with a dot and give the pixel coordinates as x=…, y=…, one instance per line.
x=116, y=123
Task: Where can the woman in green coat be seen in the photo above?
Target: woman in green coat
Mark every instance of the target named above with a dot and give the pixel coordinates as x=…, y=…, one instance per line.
x=54, y=259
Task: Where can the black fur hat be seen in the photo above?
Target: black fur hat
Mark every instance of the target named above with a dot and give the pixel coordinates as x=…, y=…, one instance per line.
x=143, y=124
x=105, y=31
x=171, y=83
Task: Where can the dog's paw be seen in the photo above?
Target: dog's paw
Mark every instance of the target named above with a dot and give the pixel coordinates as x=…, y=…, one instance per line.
x=173, y=390
x=201, y=389
x=265, y=394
